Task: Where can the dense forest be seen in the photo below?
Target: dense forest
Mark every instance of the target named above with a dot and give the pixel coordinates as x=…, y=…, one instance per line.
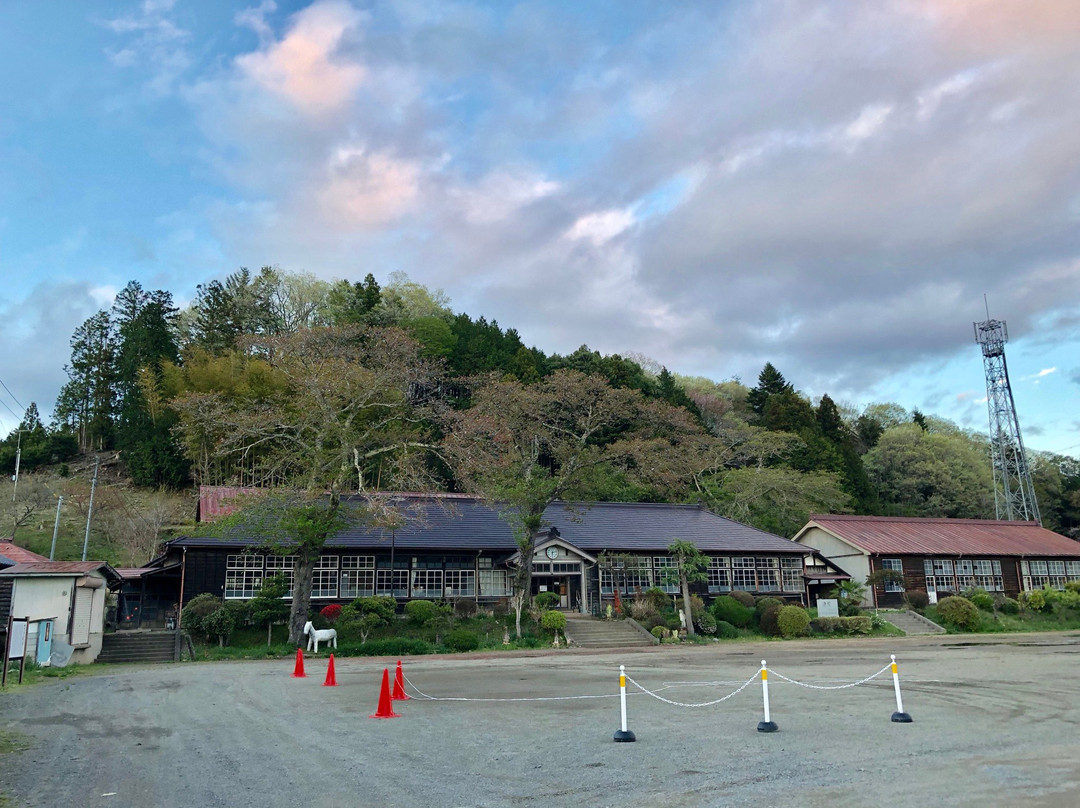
x=230, y=390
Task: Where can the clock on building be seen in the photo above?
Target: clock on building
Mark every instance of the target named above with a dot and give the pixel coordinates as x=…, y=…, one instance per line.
x=553, y=552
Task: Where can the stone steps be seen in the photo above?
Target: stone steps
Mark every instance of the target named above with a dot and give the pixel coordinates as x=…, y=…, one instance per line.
x=138, y=647
x=589, y=632
x=911, y=623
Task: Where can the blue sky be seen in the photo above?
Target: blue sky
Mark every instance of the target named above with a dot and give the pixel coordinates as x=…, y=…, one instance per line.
x=830, y=187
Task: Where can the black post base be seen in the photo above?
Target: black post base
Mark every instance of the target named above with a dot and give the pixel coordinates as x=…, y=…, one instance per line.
x=901, y=718
x=624, y=736
x=767, y=726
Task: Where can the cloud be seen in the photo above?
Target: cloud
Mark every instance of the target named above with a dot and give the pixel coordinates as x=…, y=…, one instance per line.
x=1042, y=373
x=154, y=42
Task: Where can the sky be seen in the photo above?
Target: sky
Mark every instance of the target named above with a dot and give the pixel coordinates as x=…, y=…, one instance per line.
x=831, y=187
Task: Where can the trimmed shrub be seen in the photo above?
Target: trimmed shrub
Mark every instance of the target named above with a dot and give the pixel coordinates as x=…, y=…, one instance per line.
x=764, y=603
x=770, y=621
x=553, y=621
x=461, y=639
x=725, y=630
x=547, y=600
x=1007, y=605
x=331, y=612
x=197, y=610
x=1034, y=600
x=726, y=608
x=382, y=605
x=745, y=598
x=659, y=632
x=705, y=623
x=860, y=624
x=223, y=622
x=395, y=646
x=981, y=598
x=917, y=600
x=421, y=611
x=826, y=625
x=465, y=607
x=793, y=621
x=657, y=598
x=959, y=612
x=318, y=622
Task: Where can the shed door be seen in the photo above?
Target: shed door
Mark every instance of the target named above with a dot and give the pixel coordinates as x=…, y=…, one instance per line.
x=80, y=619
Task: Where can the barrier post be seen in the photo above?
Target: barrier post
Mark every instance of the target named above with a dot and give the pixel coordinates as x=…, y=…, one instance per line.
x=623, y=735
x=899, y=717
x=768, y=725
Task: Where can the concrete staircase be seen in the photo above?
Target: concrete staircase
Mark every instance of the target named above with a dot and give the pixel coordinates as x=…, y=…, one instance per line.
x=912, y=623
x=139, y=646
x=590, y=632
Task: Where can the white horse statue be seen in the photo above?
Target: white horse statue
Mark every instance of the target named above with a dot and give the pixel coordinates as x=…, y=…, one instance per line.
x=318, y=635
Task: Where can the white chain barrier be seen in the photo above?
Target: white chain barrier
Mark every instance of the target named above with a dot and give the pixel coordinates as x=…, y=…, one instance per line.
x=653, y=693
x=830, y=687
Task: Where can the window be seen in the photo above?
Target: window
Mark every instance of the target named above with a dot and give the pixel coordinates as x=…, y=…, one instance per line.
x=768, y=574
x=566, y=566
x=324, y=578
x=243, y=575
x=394, y=581
x=637, y=575
x=939, y=575
x=719, y=574
x=357, y=576
x=895, y=565
x=670, y=582
x=1073, y=570
x=493, y=583
x=742, y=573
x=988, y=575
x=427, y=583
x=277, y=565
x=791, y=570
x=460, y=583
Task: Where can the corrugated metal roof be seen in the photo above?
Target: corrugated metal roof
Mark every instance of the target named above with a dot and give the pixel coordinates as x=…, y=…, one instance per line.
x=468, y=524
x=17, y=554
x=62, y=568
x=892, y=535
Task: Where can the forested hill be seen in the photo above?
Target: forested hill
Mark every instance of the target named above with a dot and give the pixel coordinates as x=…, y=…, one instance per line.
x=147, y=381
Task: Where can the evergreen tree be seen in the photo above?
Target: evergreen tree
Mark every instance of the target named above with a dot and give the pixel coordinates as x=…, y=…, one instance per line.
x=87, y=402
x=771, y=382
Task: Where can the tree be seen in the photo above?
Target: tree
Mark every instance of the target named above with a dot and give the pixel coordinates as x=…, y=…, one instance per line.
x=86, y=404
x=691, y=566
x=778, y=500
x=771, y=382
x=269, y=606
x=522, y=447
x=350, y=418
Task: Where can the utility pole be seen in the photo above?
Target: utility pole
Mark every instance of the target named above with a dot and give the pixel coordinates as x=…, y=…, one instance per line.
x=18, y=457
x=90, y=509
x=56, y=528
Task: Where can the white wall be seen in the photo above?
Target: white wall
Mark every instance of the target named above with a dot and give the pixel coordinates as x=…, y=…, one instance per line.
x=850, y=559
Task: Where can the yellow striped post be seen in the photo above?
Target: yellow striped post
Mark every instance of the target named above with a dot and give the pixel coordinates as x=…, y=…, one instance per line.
x=623, y=735
x=899, y=717
x=768, y=725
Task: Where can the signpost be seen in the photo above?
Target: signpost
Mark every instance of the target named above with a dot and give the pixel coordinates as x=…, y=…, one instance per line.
x=15, y=647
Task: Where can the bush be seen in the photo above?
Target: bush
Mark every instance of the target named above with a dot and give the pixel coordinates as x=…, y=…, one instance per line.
x=224, y=621
x=659, y=632
x=465, y=607
x=1034, y=600
x=382, y=605
x=959, y=612
x=331, y=612
x=421, y=611
x=726, y=608
x=826, y=625
x=642, y=610
x=764, y=603
x=793, y=621
x=395, y=646
x=1007, y=605
x=197, y=610
x=745, y=598
x=461, y=639
x=725, y=630
x=860, y=624
x=318, y=622
x=1073, y=586
x=657, y=598
x=547, y=600
x=981, y=598
x=705, y=623
x=917, y=600
x=770, y=621
x=553, y=620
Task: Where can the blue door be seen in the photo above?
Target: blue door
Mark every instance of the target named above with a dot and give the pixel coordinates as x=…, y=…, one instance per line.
x=44, y=641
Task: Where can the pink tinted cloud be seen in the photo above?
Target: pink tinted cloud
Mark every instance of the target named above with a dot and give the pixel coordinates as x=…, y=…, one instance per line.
x=306, y=67
x=367, y=189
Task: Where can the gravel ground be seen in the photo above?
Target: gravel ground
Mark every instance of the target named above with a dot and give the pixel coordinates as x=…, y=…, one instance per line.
x=995, y=723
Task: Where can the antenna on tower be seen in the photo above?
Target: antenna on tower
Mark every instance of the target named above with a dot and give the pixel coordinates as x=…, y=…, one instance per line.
x=1014, y=492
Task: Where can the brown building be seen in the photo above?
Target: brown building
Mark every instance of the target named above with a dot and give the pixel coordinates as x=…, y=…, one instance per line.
x=943, y=556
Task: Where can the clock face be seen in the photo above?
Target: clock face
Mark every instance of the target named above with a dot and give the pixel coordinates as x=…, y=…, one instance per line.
x=553, y=552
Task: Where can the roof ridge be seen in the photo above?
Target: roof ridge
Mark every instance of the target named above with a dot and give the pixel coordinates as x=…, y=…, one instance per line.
x=851, y=517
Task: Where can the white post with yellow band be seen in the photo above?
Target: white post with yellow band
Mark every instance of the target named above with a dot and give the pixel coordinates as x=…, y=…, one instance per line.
x=768, y=725
x=623, y=735
x=899, y=717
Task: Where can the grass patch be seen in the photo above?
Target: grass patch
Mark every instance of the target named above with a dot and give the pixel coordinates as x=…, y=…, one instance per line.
x=1065, y=620
x=12, y=741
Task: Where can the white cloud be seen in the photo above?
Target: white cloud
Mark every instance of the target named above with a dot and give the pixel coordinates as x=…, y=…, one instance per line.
x=601, y=227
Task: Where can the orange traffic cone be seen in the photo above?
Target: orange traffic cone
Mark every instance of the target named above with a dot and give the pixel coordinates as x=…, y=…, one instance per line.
x=386, y=709
x=399, y=693
x=331, y=679
x=298, y=671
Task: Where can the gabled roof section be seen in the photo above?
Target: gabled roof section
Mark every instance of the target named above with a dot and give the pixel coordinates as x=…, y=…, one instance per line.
x=18, y=555
x=62, y=569
x=894, y=535
x=468, y=524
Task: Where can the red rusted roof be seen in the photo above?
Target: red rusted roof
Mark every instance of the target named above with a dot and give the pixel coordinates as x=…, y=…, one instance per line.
x=897, y=535
x=20, y=555
x=60, y=568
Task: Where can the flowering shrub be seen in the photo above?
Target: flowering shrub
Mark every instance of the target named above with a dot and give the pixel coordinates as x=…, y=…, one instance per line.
x=331, y=612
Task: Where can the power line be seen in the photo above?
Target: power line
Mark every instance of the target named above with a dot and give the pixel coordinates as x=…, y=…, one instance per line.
x=6, y=407
x=21, y=407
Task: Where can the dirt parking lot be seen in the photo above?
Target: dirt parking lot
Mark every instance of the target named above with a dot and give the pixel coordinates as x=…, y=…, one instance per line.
x=995, y=723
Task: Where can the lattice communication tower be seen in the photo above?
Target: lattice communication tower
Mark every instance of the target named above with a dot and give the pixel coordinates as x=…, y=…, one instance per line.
x=1014, y=493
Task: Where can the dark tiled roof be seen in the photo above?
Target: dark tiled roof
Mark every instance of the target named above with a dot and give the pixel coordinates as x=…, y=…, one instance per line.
x=967, y=537
x=469, y=525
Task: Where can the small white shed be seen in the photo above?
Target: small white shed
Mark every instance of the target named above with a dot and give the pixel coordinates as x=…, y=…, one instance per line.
x=72, y=594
